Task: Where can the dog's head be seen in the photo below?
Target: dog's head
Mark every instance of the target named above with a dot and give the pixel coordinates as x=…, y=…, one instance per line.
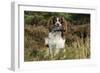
x=57, y=24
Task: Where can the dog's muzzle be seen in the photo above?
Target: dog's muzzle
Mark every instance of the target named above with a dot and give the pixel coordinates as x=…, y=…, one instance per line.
x=57, y=29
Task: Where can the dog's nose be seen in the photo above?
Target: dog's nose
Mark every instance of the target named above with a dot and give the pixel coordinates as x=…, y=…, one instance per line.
x=57, y=25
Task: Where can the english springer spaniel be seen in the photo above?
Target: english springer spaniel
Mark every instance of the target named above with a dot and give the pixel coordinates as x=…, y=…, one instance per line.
x=57, y=27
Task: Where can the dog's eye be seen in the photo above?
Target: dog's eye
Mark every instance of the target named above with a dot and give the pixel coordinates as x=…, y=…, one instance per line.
x=62, y=22
x=54, y=21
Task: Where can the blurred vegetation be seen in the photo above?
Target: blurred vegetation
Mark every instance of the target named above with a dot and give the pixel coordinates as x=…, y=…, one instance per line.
x=35, y=30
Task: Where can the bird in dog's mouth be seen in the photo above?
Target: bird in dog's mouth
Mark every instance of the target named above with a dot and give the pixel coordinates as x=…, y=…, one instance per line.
x=56, y=28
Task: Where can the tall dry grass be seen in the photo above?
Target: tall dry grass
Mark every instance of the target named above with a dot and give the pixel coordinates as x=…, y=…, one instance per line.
x=35, y=50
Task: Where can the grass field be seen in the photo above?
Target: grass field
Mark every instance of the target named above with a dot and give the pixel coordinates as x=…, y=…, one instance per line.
x=35, y=50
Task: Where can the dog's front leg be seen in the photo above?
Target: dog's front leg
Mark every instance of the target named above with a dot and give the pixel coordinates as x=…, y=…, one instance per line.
x=51, y=53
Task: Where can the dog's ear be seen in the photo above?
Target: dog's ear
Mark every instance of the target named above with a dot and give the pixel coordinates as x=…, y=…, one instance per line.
x=50, y=23
x=64, y=24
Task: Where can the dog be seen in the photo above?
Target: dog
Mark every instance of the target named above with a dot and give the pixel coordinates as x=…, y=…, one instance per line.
x=56, y=41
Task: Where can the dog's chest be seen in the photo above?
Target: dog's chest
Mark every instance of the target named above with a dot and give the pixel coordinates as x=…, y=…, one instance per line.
x=55, y=40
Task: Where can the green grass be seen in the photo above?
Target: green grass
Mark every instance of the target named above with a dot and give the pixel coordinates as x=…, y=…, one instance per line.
x=35, y=50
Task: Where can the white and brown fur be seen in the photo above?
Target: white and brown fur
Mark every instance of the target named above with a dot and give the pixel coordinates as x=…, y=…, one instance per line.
x=57, y=27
